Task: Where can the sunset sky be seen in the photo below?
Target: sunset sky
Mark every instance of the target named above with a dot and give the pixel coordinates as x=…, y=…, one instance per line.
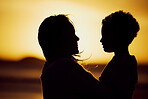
x=20, y=20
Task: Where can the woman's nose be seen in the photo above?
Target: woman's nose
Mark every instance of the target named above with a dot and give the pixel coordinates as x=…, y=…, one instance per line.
x=77, y=38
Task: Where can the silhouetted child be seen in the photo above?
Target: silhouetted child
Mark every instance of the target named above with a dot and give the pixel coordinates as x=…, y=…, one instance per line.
x=62, y=76
x=118, y=31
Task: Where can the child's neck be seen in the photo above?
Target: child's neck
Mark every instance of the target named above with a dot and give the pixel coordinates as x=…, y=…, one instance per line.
x=122, y=51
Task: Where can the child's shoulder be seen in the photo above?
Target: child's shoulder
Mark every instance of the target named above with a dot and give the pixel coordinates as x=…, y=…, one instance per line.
x=124, y=62
x=131, y=59
x=125, y=58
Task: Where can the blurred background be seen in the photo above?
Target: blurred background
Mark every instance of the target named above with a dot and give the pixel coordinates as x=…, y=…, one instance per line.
x=21, y=58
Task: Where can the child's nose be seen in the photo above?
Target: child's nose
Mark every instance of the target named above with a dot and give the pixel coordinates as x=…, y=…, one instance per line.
x=101, y=40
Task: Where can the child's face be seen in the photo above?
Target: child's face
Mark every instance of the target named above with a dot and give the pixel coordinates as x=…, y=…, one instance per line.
x=108, y=40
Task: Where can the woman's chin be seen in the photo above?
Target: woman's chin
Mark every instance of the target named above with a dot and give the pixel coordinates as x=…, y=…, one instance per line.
x=76, y=51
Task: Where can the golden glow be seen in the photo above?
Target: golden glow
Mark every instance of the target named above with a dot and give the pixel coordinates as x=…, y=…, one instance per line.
x=20, y=19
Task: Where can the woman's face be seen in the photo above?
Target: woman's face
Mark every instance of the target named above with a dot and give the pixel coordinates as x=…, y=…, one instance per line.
x=69, y=40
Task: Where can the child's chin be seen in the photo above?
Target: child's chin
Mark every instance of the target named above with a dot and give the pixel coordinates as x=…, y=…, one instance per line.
x=108, y=50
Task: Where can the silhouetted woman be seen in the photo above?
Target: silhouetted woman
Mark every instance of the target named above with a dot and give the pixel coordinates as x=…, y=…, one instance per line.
x=118, y=31
x=62, y=77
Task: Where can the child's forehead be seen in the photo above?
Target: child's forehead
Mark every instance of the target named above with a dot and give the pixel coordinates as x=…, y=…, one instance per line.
x=110, y=25
x=109, y=32
x=112, y=28
x=107, y=29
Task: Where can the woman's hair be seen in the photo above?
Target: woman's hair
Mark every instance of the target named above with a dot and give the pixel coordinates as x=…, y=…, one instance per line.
x=49, y=33
x=124, y=24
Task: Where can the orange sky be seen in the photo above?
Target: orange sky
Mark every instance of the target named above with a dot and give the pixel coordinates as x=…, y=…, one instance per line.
x=20, y=19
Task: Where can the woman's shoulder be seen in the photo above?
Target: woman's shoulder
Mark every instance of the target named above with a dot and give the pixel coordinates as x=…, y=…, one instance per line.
x=70, y=65
x=64, y=62
x=60, y=64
